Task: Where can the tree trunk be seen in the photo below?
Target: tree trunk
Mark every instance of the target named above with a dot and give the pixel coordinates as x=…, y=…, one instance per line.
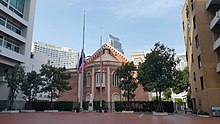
x=51, y=99
x=11, y=98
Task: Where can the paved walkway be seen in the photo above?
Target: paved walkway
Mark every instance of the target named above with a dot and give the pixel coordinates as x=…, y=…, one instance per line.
x=102, y=118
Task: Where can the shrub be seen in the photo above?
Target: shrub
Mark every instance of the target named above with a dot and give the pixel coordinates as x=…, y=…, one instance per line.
x=96, y=104
x=203, y=113
x=143, y=106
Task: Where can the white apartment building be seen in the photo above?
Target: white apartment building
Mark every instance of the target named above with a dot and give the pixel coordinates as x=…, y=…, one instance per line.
x=182, y=61
x=61, y=56
x=16, y=30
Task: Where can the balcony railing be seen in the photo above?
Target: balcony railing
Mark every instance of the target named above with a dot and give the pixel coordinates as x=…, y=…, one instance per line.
x=10, y=26
x=13, y=9
x=98, y=84
x=216, y=44
x=215, y=20
x=4, y=3
x=218, y=67
x=211, y=2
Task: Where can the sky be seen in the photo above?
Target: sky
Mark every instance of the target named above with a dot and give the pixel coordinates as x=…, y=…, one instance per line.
x=139, y=24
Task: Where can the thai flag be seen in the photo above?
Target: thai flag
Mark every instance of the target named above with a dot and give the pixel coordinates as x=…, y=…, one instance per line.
x=81, y=63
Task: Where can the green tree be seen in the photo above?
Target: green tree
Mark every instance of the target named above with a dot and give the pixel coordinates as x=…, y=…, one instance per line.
x=55, y=81
x=128, y=83
x=14, y=77
x=181, y=81
x=156, y=73
x=167, y=94
x=31, y=87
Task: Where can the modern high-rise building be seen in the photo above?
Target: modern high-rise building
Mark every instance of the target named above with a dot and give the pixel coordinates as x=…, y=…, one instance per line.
x=201, y=19
x=114, y=41
x=16, y=29
x=61, y=56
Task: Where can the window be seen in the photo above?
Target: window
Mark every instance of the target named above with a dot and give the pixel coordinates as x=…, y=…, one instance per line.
x=194, y=22
x=192, y=58
x=88, y=81
x=11, y=46
x=1, y=40
x=115, y=80
x=202, y=82
x=188, y=24
x=197, y=41
x=195, y=89
x=4, y=2
x=187, y=11
x=18, y=5
x=98, y=76
x=194, y=74
x=192, y=5
x=183, y=26
x=199, y=61
x=186, y=56
x=2, y=21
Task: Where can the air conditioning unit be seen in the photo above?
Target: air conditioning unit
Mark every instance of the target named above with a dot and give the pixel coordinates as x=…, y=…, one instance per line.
x=2, y=79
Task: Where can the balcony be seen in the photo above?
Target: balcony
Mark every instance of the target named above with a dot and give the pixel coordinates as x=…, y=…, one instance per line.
x=216, y=44
x=98, y=84
x=211, y=2
x=218, y=68
x=215, y=20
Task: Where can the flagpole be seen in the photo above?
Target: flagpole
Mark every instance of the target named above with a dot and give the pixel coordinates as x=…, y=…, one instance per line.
x=101, y=71
x=82, y=74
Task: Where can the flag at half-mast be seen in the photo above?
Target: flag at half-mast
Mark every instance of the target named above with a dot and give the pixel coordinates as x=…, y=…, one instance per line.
x=81, y=63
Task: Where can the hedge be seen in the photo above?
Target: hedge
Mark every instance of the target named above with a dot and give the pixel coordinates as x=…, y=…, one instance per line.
x=3, y=104
x=143, y=106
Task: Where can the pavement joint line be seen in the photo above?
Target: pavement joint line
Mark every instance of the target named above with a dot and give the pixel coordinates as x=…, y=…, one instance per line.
x=140, y=116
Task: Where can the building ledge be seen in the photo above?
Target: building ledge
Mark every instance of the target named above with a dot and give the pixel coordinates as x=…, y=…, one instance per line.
x=215, y=20
x=216, y=44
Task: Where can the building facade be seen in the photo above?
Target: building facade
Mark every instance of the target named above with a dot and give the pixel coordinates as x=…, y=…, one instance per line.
x=182, y=61
x=16, y=29
x=137, y=57
x=201, y=36
x=61, y=56
x=111, y=59
x=114, y=41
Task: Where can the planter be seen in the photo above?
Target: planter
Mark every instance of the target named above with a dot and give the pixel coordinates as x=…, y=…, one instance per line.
x=204, y=116
x=51, y=111
x=129, y=112
x=10, y=112
x=160, y=113
x=27, y=111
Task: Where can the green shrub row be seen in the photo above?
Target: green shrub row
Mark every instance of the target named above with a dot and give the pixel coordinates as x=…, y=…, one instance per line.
x=64, y=105
x=3, y=104
x=142, y=106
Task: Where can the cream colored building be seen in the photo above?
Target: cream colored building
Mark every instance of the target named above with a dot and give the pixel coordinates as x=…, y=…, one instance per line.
x=201, y=35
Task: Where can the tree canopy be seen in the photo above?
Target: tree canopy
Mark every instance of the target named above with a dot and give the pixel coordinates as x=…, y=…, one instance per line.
x=181, y=81
x=156, y=73
x=31, y=86
x=55, y=81
x=128, y=83
x=14, y=77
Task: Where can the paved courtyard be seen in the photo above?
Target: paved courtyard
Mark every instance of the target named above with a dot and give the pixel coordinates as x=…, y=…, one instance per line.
x=102, y=118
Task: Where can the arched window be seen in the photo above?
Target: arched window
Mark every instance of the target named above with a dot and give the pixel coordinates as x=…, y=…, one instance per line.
x=115, y=80
x=98, y=76
x=89, y=80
